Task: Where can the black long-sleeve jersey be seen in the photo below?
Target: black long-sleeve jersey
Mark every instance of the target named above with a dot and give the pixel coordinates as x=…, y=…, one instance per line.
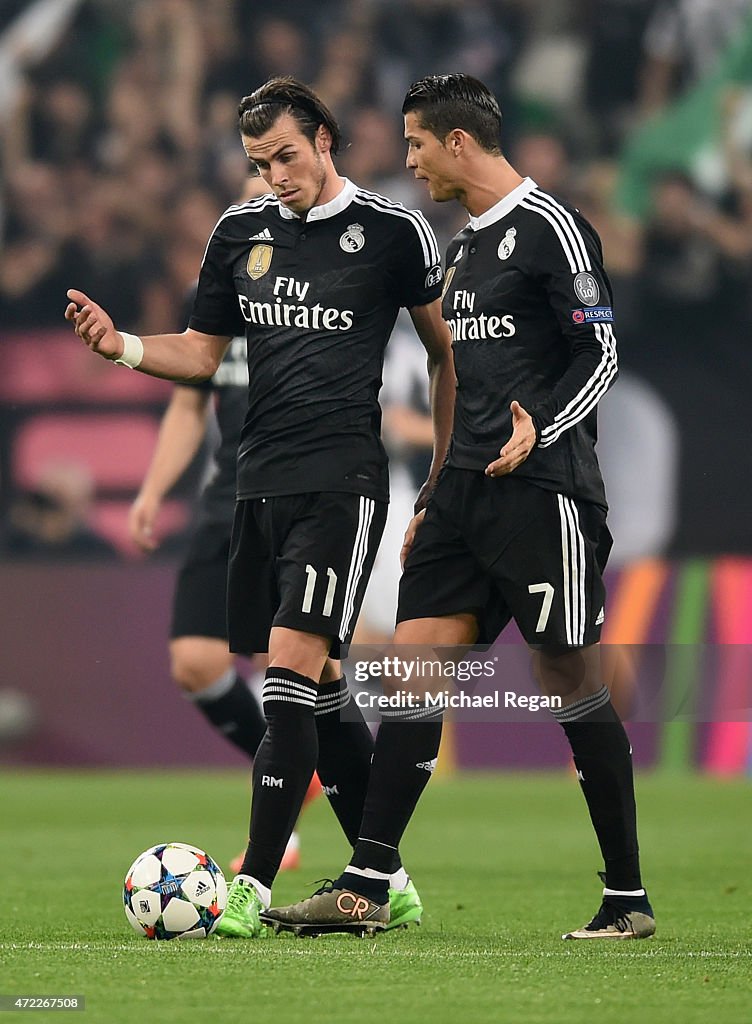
x=317, y=300
x=530, y=309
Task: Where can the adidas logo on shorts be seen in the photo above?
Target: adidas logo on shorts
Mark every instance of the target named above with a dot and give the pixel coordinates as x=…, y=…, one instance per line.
x=429, y=766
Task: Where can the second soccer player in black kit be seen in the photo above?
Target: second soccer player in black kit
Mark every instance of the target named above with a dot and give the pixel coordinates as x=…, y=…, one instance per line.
x=314, y=275
x=516, y=526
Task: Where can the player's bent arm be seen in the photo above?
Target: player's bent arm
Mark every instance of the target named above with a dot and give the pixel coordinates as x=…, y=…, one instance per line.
x=190, y=356
x=187, y=356
x=434, y=333
x=592, y=370
x=181, y=432
x=581, y=301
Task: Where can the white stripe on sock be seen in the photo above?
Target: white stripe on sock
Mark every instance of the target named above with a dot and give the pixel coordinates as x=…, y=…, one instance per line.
x=368, y=873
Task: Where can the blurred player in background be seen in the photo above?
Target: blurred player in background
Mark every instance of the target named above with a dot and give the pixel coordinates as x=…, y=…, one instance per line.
x=512, y=532
x=200, y=658
x=407, y=431
x=315, y=275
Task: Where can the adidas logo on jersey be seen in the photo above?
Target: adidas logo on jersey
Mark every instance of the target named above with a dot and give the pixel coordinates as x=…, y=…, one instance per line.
x=262, y=236
x=429, y=766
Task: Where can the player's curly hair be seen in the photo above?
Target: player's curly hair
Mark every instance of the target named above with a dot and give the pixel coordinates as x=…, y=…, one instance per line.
x=445, y=102
x=284, y=94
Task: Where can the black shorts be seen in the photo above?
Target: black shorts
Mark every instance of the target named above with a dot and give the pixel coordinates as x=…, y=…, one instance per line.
x=504, y=548
x=301, y=561
x=199, y=606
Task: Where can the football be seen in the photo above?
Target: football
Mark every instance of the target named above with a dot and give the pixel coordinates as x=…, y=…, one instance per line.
x=174, y=891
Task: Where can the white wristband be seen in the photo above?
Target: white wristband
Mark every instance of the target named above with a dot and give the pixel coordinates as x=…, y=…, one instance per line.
x=133, y=350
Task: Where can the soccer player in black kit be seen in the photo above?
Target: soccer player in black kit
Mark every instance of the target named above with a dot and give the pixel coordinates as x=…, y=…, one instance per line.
x=200, y=660
x=516, y=526
x=201, y=663
x=314, y=275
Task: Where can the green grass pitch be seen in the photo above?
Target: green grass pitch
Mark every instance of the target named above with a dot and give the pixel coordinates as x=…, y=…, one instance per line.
x=504, y=863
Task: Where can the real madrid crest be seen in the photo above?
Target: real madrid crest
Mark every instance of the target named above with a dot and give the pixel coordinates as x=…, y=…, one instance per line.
x=507, y=244
x=353, y=239
x=259, y=261
x=434, y=276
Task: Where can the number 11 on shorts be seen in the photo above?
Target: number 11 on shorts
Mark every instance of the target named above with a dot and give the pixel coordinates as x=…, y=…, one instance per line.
x=311, y=586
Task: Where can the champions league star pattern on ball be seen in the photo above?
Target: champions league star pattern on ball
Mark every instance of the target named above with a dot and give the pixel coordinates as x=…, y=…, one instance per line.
x=174, y=891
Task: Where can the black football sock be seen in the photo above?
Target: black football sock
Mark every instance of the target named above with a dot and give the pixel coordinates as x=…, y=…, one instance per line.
x=374, y=887
x=345, y=750
x=404, y=759
x=233, y=710
x=603, y=759
x=282, y=770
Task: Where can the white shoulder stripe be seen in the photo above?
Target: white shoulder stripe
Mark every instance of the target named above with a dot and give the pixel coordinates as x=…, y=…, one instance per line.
x=567, y=221
x=572, y=257
x=591, y=392
x=423, y=229
x=252, y=206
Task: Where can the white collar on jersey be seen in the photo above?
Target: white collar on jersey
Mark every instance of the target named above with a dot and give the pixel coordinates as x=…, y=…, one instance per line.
x=504, y=206
x=340, y=202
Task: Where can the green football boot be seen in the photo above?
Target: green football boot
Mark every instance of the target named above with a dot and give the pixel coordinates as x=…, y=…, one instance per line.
x=241, y=917
x=404, y=907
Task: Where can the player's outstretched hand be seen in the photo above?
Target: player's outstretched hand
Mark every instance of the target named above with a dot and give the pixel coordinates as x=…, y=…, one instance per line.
x=412, y=529
x=93, y=325
x=141, y=519
x=519, y=445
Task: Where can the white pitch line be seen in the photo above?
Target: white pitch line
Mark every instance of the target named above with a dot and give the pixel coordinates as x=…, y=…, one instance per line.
x=433, y=954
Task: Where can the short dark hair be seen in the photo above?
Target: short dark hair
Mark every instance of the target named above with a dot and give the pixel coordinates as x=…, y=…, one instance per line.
x=258, y=112
x=445, y=102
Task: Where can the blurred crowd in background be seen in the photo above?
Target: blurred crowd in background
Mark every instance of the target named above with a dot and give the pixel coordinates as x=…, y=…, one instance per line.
x=120, y=150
